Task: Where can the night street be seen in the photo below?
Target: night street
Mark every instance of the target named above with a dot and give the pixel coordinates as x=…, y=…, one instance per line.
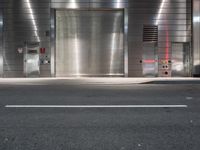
x=171, y=122
x=99, y=74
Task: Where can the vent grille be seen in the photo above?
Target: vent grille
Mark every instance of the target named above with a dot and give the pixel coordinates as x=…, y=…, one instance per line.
x=150, y=33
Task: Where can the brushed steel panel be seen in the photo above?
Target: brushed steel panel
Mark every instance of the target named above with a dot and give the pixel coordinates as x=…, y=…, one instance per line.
x=174, y=24
x=149, y=10
x=109, y=5
x=25, y=20
x=89, y=4
x=52, y=42
x=126, y=31
x=70, y=1
x=26, y=10
x=196, y=37
x=149, y=59
x=94, y=51
x=69, y=5
x=166, y=16
x=180, y=59
x=1, y=43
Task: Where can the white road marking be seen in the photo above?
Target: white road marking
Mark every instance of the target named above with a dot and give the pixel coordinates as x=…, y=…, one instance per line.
x=96, y=106
x=189, y=98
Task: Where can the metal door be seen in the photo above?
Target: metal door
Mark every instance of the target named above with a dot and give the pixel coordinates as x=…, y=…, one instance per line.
x=181, y=60
x=89, y=43
x=31, y=60
x=149, y=60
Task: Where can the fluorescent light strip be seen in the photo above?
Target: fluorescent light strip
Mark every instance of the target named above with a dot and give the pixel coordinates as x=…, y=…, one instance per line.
x=33, y=19
x=160, y=11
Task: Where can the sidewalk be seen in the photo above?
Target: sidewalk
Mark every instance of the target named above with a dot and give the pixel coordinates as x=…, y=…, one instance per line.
x=101, y=81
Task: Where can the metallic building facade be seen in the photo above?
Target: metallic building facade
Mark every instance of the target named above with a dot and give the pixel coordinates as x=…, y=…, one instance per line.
x=100, y=37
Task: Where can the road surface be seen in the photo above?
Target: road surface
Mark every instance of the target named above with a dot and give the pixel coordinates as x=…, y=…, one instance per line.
x=145, y=114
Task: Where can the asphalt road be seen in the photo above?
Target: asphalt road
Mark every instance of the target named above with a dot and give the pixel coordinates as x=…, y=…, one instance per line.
x=99, y=128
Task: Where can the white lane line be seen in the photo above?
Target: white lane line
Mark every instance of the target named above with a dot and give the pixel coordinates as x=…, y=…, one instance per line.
x=96, y=106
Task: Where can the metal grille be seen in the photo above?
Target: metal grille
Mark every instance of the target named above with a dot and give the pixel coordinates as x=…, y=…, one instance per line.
x=150, y=33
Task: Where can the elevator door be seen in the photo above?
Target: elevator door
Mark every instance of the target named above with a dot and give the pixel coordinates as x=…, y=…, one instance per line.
x=180, y=59
x=89, y=43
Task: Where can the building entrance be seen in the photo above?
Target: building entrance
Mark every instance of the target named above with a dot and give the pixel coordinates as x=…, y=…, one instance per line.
x=89, y=43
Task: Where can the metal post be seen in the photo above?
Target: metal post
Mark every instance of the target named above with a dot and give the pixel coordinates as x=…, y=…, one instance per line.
x=1, y=43
x=126, y=42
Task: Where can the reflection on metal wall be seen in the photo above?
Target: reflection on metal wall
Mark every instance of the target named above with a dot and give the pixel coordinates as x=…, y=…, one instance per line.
x=31, y=60
x=74, y=4
x=173, y=18
x=180, y=60
x=196, y=37
x=24, y=20
x=149, y=60
x=1, y=43
x=89, y=43
x=29, y=20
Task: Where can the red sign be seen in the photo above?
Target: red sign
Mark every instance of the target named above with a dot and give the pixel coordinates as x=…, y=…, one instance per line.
x=42, y=50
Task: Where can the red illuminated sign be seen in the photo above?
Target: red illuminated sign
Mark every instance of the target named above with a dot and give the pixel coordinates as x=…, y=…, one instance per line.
x=42, y=50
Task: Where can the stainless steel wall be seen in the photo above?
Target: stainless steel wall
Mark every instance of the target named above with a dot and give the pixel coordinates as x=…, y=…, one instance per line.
x=1, y=42
x=24, y=20
x=181, y=60
x=23, y=17
x=196, y=37
x=173, y=18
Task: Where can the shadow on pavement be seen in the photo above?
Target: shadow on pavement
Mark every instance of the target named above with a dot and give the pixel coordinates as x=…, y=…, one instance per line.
x=173, y=82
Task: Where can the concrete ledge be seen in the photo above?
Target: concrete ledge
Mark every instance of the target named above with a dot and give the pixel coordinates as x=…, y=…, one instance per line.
x=101, y=81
